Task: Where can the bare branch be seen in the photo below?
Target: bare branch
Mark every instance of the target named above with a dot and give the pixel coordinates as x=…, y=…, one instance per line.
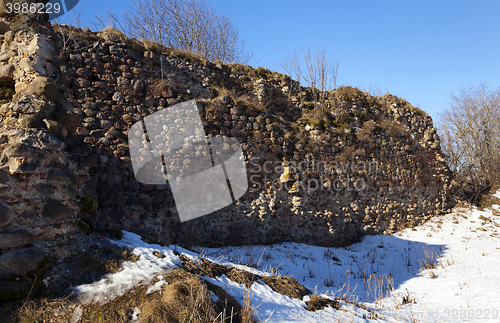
x=470, y=136
x=189, y=25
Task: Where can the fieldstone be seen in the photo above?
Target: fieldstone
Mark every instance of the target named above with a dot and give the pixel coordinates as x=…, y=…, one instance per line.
x=68, y=120
x=275, y=149
x=77, y=58
x=4, y=27
x=112, y=169
x=119, y=152
x=123, y=69
x=30, y=122
x=113, y=133
x=98, y=133
x=132, y=53
x=234, y=133
x=55, y=210
x=118, y=109
x=101, y=95
x=103, y=159
x=44, y=189
x=29, y=214
x=82, y=131
x=136, y=70
x=28, y=104
x=115, y=214
x=109, y=66
x=118, y=97
x=14, y=287
x=106, y=124
x=145, y=199
x=120, y=200
x=20, y=261
x=4, y=188
x=132, y=200
x=55, y=175
x=104, y=141
x=133, y=185
x=149, y=101
x=42, y=86
x=3, y=9
x=6, y=214
x=225, y=99
x=7, y=75
x=138, y=85
x=15, y=238
x=9, y=36
x=6, y=56
x=81, y=82
x=52, y=125
x=161, y=102
x=89, y=105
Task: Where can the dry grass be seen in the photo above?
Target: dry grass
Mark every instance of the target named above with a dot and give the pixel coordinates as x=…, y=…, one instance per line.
x=490, y=200
x=288, y=286
x=379, y=288
x=368, y=129
x=317, y=303
x=185, y=55
x=183, y=300
x=207, y=268
x=428, y=261
x=318, y=115
x=431, y=260
x=159, y=87
x=447, y=260
x=247, y=309
x=41, y=310
x=111, y=34
x=391, y=126
x=186, y=298
x=284, y=285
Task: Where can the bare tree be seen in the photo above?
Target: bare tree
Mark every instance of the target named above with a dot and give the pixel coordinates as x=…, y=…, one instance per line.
x=318, y=71
x=470, y=137
x=190, y=25
x=292, y=67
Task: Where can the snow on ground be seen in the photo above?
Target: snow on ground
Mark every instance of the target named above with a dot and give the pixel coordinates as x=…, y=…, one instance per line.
x=382, y=273
x=134, y=273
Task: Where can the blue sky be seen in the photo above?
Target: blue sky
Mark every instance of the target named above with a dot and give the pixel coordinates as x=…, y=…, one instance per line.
x=418, y=50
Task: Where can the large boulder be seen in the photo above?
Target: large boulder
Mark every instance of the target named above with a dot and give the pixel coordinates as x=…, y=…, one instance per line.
x=15, y=238
x=56, y=210
x=6, y=214
x=7, y=75
x=42, y=86
x=4, y=27
x=20, y=261
x=28, y=104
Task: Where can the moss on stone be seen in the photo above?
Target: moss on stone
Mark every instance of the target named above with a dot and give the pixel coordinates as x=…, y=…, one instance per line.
x=87, y=205
x=118, y=234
